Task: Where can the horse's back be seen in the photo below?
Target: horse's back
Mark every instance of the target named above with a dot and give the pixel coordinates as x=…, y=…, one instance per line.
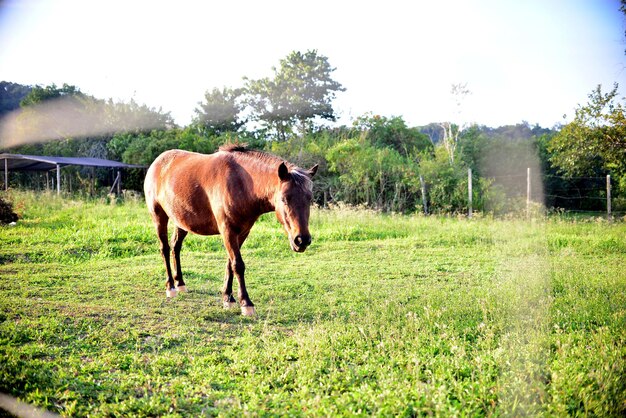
x=161, y=171
x=178, y=183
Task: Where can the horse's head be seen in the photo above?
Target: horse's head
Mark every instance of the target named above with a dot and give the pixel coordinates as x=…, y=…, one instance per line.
x=293, y=204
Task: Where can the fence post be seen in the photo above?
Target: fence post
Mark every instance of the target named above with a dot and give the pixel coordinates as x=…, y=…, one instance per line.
x=528, y=192
x=58, y=179
x=608, y=197
x=424, y=200
x=469, y=192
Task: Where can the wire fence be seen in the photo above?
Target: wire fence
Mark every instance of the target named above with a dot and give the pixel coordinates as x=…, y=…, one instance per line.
x=591, y=195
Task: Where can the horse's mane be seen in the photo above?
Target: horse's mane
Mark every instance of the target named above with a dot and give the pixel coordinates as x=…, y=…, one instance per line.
x=235, y=148
x=299, y=176
x=252, y=153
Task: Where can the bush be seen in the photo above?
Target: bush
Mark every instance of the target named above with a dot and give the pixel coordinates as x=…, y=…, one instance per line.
x=6, y=212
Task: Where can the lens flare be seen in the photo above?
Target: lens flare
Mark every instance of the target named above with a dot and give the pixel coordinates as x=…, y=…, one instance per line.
x=70, y=117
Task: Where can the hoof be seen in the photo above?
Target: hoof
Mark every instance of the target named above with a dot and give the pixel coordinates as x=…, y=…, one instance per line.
x=248, y=311
x=181, y=289
x=229, y=305
x=170, y=293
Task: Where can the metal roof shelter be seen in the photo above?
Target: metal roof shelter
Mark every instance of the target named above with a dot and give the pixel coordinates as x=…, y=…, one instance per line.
x=19, y=162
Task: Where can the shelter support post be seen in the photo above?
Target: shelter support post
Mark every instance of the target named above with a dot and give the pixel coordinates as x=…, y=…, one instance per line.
x=6, y=174
x=92, y=181
x=117, y=184
x=58, y=179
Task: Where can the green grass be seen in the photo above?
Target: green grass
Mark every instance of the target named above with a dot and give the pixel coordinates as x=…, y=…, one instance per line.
x=383, y=315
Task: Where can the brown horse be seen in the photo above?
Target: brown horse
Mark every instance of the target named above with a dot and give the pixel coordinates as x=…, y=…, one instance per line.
x=225, y=193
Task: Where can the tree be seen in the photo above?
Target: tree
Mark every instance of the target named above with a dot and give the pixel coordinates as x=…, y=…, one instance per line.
x=451, y=130
x=64, y=121
x=300, y=91
x=132, y=117
x=595, y=141
x=473, y=146
x=446, y=182
x=220, y=112
x=50, y=113
x=377, y=177
x=11, y=94
x=39, y=94
x=87, y=116
x=393, y=133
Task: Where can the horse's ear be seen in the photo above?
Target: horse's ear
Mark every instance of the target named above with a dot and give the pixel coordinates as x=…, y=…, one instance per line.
x=283, y=172
x=313, y=170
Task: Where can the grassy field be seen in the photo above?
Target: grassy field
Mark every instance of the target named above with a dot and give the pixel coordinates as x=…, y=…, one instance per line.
x=383, y=315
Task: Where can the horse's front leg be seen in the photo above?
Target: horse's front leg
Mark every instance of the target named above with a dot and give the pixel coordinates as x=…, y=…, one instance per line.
x=233, y=244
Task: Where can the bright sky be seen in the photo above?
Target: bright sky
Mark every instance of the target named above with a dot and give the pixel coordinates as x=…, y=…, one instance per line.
x=531, y=60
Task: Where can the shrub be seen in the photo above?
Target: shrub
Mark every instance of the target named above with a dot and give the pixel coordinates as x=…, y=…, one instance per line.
x=6, y=212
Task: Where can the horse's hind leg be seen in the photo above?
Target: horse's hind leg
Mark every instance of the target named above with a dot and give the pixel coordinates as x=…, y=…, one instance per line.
x=177, y=244
x=160, y=221
x=227, y=292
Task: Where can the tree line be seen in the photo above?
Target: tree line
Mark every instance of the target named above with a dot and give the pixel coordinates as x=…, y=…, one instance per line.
x=378, y=161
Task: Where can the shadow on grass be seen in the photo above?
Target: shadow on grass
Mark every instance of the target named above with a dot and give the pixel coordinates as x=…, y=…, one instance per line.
x=221, y=315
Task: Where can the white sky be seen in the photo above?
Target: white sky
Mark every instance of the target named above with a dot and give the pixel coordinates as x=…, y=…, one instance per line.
x=531, y=60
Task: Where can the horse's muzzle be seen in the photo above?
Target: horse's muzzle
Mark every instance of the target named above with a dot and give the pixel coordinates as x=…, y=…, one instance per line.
x=300, y=242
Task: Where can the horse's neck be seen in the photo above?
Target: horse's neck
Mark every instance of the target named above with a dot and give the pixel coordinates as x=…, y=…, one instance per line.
x=265, y=189
x=265, y=184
